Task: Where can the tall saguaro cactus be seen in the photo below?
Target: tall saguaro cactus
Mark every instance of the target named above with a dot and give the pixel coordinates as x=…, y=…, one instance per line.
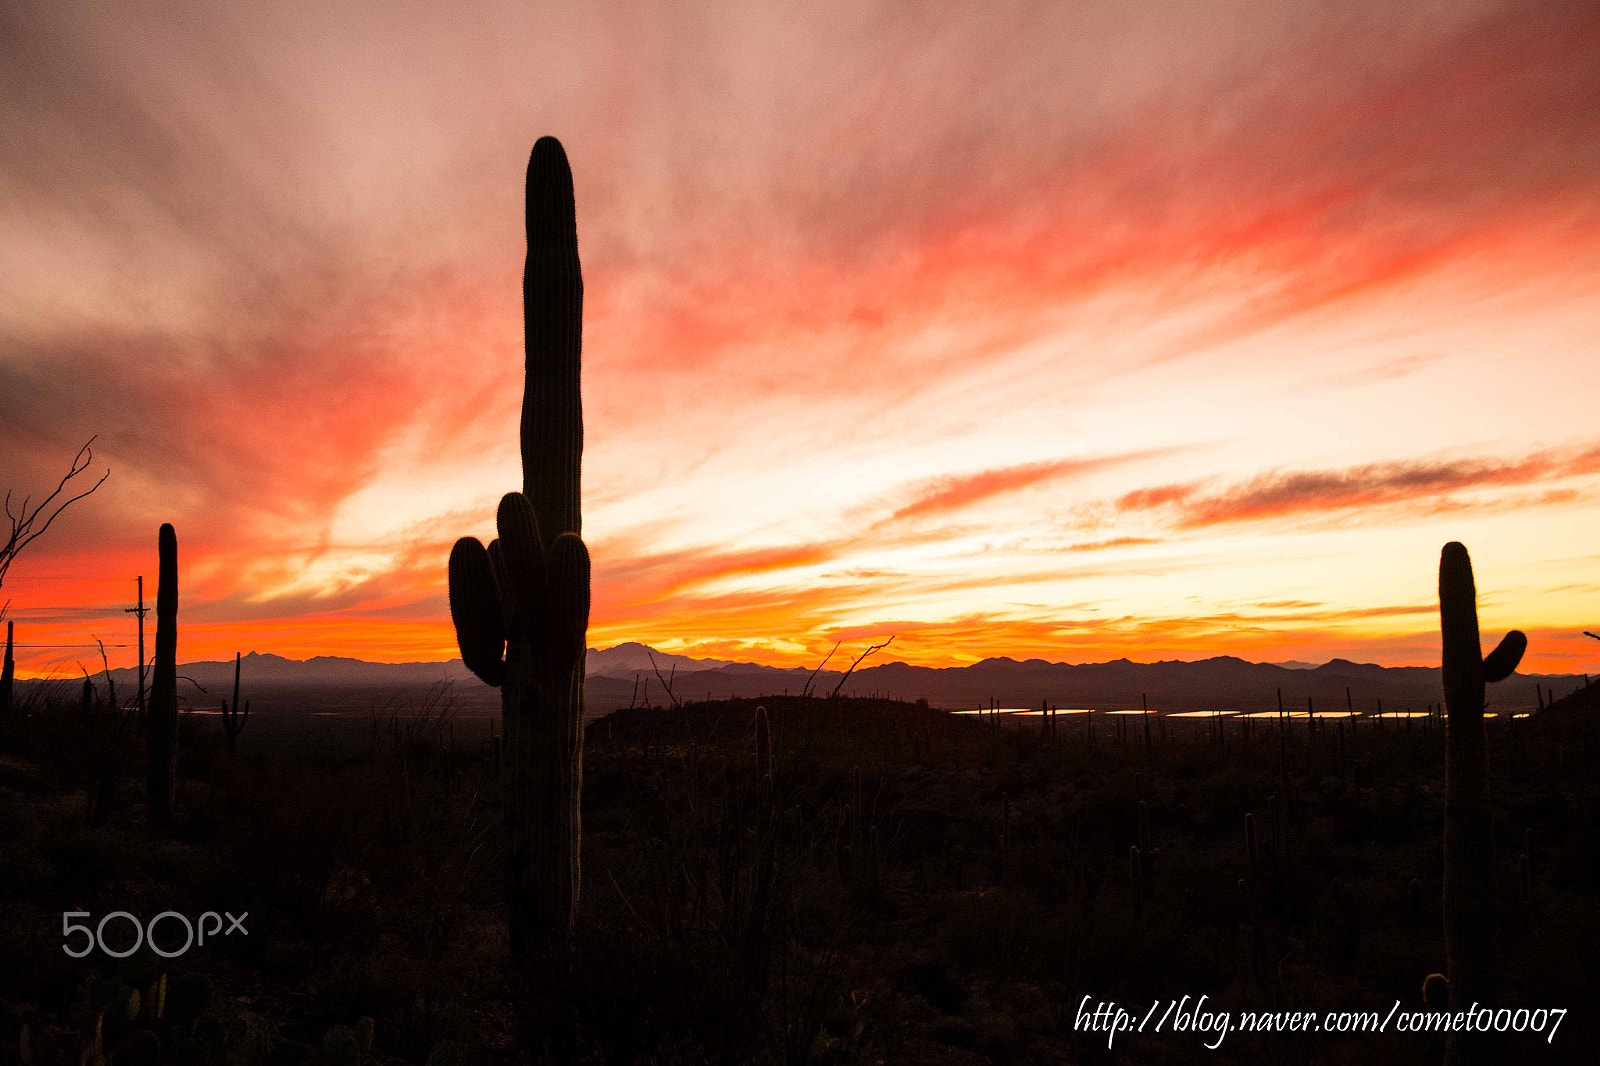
x=521, y=606
x=161, y=728
x=1468, y=817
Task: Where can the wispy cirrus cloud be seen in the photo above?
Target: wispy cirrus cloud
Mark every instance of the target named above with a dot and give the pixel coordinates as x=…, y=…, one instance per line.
x=943, y=495
x=1420, y=485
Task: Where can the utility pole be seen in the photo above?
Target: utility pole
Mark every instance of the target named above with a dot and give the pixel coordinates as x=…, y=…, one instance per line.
x=141, y=611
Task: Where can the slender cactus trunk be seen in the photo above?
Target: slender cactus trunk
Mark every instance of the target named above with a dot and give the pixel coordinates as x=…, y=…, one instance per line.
x=162, y=722
x=7, y=670
x=543, y=782
x=1469, y=922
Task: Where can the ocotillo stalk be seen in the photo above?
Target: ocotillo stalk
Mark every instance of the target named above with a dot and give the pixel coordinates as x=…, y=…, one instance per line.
x=233, y=720
x=7, y=671
x=521, y=607
x=161, y=730
x=1468, y=817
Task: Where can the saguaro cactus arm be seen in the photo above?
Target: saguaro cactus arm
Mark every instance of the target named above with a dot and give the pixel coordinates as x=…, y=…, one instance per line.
x=1500, y=663
x=475, y=609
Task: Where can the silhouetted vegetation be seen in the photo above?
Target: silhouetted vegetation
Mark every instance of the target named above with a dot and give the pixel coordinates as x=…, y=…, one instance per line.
x=872, y=881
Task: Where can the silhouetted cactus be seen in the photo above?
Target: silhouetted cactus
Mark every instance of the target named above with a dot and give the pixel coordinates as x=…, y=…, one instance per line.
x=1136, y=875
x=1469, y=927
x=161, y=726
x=856, y=852
x=763, y=757
x=8, y=670
x=155, y=1000
x=1436, y=992
x=233, y=720
x=521, y=606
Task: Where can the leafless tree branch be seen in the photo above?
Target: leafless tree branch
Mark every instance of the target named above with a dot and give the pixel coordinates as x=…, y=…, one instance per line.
x=664, y=682
x=863, y=655
x=807, y=690
x=23, y=520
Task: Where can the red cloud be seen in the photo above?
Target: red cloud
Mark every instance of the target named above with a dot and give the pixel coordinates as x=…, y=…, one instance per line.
x=1411, y=483
x=945, y=494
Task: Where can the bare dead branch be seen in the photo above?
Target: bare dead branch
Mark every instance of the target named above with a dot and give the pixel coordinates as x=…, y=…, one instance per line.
x=863, y=655
x=664, y=682
x=23, y=520
x=807, y=690
x=111, y=686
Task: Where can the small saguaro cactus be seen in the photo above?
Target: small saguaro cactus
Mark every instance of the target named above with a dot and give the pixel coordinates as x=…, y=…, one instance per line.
x=161, y=727
x=233, y=720
x=521, y=606
x=763, y=758
x=1469, y=927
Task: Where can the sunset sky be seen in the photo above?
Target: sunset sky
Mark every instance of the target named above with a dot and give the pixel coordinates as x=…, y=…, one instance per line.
x=1060, y=330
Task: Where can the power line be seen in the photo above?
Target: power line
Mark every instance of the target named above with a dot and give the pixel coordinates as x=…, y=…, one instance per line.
x=97, y=608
